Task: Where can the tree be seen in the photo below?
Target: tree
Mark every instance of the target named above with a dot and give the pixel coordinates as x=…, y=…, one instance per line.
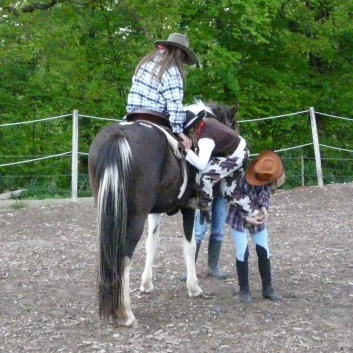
x=271, y=57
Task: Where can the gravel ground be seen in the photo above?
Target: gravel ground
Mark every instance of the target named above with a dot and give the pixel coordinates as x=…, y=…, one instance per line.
x=48, y=283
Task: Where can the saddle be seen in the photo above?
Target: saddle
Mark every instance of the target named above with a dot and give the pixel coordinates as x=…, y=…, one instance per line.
x=158, y=120
x=148, y=115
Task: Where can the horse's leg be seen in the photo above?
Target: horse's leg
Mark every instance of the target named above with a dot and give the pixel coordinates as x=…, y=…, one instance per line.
x=152, y=244
x=128, y=316
x=134, y=232
x=189, y=248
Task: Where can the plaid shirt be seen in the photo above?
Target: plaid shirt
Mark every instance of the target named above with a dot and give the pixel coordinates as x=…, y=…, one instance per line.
x=248, y=197
x=164, y=96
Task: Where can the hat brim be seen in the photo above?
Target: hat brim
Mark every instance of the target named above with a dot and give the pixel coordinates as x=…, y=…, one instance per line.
x=194, y=120
x=190, y=58
x=249, y=174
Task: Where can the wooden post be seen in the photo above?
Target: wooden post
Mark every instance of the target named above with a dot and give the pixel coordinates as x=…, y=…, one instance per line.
x=303, y=171
x=74, y=156
x=316, y=147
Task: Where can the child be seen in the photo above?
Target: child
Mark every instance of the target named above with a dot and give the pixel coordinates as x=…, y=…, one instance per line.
x=252, y=197
x=158, y=82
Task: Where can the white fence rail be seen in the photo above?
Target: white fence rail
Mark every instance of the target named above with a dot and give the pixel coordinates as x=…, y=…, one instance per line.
x=75, y=143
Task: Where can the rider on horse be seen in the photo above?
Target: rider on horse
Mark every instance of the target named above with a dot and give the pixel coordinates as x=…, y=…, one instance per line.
x=157, y=85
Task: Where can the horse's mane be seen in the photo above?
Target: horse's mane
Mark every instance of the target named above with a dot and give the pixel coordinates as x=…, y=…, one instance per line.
x=199, y=106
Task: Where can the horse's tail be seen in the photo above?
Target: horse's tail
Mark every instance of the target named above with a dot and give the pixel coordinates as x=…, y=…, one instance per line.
x=113, y=169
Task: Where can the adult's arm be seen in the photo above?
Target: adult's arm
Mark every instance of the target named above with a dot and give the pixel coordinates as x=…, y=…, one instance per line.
x=200, y=161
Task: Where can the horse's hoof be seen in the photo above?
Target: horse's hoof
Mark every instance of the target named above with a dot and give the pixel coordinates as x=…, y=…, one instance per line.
x=130, y=322
x=126, y=320
x=146, y=289
x=195, y=292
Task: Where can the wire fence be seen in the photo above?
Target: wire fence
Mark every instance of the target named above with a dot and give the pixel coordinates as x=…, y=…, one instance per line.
x=79, y=181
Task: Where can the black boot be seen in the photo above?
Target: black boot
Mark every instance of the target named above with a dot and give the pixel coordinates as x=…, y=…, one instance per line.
x=243, y=279
x=184, y=276
x=265, y=272
x=214, y=250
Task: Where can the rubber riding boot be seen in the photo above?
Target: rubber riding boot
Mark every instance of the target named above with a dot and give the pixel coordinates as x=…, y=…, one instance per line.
x=243, y=279
x=214, y=250
x=265, y=272
x=184, y=276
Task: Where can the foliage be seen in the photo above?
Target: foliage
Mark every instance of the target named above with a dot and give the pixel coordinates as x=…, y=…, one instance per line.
x=272, y=57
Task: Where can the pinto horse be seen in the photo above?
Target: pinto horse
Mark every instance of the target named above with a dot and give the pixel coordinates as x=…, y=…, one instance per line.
x=136, y=171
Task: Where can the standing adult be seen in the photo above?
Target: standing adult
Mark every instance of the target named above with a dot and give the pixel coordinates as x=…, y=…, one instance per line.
x=252, y=197
x=158, y=82
x=220, y=157
x=219, y=208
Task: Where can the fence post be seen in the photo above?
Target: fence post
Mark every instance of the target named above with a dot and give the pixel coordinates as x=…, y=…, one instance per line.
x=316, y=147
x=74, y=156
x=303, y=171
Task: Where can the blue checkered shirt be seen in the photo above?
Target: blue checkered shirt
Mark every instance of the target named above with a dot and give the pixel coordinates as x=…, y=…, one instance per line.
x=164, y=96
x=259, y=196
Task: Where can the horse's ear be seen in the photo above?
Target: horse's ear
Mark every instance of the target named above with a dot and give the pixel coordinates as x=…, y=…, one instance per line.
x=235, y=108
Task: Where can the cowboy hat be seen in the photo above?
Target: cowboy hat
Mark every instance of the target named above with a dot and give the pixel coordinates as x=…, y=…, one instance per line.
x=180, y=41
x=264, y=169
x=192, y=119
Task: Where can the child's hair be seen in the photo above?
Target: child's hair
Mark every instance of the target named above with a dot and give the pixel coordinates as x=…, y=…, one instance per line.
x=280, y=181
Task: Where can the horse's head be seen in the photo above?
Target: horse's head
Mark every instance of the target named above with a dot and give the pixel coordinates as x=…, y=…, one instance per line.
x=225, y=114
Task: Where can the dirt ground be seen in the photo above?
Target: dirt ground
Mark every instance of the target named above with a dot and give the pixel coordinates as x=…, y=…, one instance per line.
x=48, y=299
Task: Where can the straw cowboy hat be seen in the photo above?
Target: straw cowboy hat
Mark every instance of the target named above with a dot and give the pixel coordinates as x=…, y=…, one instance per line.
x=180, y=41
x=264, y=169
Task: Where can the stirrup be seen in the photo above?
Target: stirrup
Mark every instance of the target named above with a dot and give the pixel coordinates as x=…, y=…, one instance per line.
x=194, y=203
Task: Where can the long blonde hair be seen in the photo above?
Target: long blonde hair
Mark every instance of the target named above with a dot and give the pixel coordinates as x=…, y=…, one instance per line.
x=168, y=57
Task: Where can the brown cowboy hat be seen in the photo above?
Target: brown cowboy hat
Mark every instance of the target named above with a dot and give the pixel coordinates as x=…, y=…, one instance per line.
x=180, y=41
x=264, y=169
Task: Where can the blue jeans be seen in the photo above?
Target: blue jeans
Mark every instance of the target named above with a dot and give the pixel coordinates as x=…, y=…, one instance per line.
x=219, y=215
